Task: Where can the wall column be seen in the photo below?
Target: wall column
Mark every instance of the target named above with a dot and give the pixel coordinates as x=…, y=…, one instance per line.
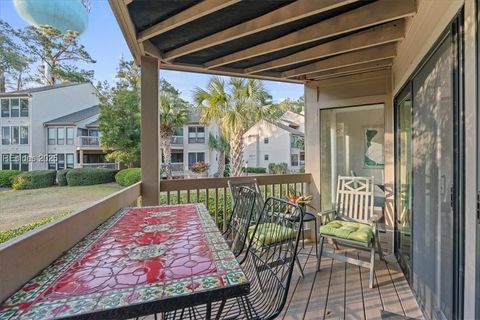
x=150, y=135
x=81, y=158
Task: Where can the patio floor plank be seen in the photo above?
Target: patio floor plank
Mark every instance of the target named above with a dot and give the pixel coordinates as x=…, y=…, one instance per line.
x=354, y=307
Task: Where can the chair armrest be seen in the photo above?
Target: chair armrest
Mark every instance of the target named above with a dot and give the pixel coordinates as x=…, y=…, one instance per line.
x=326, y=215
x=373, y=219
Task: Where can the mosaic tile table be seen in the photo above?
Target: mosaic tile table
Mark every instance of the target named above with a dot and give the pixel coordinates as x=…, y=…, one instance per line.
x=140, y=261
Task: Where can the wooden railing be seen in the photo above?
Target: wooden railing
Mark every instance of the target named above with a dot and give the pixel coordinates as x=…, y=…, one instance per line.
x=214, y=192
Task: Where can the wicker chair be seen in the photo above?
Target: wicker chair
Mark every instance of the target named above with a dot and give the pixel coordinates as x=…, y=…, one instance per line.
x=268, y=264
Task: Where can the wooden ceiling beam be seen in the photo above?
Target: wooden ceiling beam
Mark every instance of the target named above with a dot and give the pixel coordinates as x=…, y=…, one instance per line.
x=292, y=12
x=190, y=14
x=358, y=68
x=390, y=32
x=369, y=15
x=345, y=60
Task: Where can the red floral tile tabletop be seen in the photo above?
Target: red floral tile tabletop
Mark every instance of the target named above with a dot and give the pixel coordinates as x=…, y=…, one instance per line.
x=140, y=261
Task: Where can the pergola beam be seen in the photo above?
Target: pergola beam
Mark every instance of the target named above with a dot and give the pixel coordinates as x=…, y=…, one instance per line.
x=124, y=20
x=358, y=68
x=390, y=32
x=292, y=12
x=344, y=60
x=363, y=17
x=195, y=12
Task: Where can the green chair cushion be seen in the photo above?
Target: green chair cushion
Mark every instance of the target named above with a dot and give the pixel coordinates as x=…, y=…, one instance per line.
x=348, y=230
x=270, y=233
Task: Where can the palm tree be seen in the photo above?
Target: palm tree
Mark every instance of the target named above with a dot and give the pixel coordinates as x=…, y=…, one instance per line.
x=234, y=109
x=174, y=114
x=221, y=145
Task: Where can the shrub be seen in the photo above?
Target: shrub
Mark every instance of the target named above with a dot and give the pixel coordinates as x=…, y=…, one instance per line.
x=255, y=170
x=302, y=169
x=127, y=177
x=86, y=177
x=278, y=168
x=200, y=167
x=7, y=177
x=34, y=179
x=62, y=177
x=12, y=233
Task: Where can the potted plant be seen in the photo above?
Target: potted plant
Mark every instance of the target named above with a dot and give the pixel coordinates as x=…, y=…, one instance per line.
x=200, y=168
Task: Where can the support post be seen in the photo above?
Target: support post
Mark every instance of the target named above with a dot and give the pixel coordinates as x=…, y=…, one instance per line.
x=150, y=136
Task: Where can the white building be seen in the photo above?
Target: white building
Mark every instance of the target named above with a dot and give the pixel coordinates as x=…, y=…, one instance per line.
x=52, y=127
x=190, y=145
x=276, y=142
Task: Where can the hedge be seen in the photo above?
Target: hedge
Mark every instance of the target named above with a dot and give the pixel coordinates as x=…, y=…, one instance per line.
x=86, y=177
x=255, y=170
x=12, y=233
x=62, y=177
x=7, y=177
x=278, y=168
x=127, y=177
x=34, y=179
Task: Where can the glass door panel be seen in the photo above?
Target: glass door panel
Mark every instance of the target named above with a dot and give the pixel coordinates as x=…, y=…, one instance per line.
x=433, y=164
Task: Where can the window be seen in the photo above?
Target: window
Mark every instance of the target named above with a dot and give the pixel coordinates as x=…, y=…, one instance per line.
x=177, y=157
x=60, y=161
x=5, y=161
x=196, y=134
x=24, y=162
x=15, y=135
x=5, y=135
x=52, y=161
x=195, y=157
x=69, y=160
x=93, y=133
x=14, y=108
x=15, y=161
x=60, y=135
x=52, y=134
x=23, y=135
x=69, y=135
x=5, y=105
x=265, y=141
x=178, y=132
x=294, y=160
x=265, y=157
x=82, y=132
x=23, y=107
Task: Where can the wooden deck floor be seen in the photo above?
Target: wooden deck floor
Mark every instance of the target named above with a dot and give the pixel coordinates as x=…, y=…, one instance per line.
x=340, y=290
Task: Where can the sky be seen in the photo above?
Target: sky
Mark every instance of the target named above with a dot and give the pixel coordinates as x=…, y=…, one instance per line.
x=105, y=43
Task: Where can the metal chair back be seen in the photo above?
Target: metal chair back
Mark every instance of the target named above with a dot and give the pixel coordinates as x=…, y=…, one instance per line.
x=355, y=198
x=252, y=183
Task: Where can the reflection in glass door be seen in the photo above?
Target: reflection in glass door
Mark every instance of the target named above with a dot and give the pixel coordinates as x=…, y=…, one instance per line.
x=403, y=180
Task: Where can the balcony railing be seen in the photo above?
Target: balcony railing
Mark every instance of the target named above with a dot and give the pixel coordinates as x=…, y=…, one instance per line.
x=215, y=194
x=177, y=140
x=107, y=165
x=86, y=141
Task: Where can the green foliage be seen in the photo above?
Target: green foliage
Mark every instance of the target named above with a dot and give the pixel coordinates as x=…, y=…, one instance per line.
x=12, y=233
x=302, y=169
x=226, y=171
x=62, y=177
x=86, y=177
x=278, y=168
x=296, y=106
x=127, y=177
x=57, y=51
x=255, y=170
x=34, y=179
x=7, y=177
x=119, y=119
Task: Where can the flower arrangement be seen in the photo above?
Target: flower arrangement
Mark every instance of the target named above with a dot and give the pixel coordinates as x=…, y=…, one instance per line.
x=200, y=167
x=299, y=199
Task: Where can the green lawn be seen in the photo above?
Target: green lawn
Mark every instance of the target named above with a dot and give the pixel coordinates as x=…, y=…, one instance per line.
x=18, y=208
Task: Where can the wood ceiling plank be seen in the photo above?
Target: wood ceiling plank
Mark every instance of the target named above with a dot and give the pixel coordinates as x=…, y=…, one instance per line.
x=190, y=14
x=369, y=15
x=345, y=60
x=292, y=12
x=358, y=68
x=390, y=32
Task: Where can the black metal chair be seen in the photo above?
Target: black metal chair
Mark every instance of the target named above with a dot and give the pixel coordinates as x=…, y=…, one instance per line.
x=268, y=264
x=239, y=223
x=235, y=186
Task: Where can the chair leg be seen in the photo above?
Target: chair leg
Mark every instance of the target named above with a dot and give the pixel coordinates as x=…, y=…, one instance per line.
x=303, y=236
x=320, y=251
x=379, y=247
x=299, y=266
x=316, y=238
x=372, y=267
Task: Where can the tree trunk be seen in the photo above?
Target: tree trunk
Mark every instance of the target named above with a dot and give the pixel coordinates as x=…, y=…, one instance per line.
x=221, y=163
x=236, y=154
x=3, y=81
x=167, y=154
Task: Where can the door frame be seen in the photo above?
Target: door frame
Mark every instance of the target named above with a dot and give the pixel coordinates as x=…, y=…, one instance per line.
x=455, y=28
